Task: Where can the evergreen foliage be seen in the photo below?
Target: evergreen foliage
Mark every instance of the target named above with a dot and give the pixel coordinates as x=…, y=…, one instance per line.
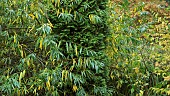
x=80, y=21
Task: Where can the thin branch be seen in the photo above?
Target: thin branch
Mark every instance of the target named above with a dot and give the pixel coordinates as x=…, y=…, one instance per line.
x=39, y=59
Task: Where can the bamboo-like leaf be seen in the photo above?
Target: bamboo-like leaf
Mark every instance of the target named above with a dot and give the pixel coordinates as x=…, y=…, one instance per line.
x=67, y=47
x=41, y=43
x=75, y=88
x=66, y=74
x=80, y=50
x=48, y=84
x=63, y=73
x=35, y=91
x=32, y=16
x=58, y=12
x=20, y=77
x=15, y=40
x=22, y=53
x=75, y=48
x=167, y=78
x=28, y=62
x=52, y=1
x=23, y=73
x=58, y=3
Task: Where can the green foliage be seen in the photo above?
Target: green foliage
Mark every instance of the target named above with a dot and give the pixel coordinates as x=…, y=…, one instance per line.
x=81, y=22
x=65, y=48
x=53, y=47
x=139, y=59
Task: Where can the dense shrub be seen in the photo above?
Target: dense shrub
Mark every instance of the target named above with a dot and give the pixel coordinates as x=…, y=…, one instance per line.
x=139, y=48
x=53, y=47
x=84, y=48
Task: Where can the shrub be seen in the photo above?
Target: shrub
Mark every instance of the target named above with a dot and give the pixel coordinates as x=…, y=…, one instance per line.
x=54, y=47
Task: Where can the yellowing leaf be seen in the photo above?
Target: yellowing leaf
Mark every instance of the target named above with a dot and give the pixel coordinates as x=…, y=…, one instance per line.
x=32, y=28
x=39, y=87
x=135, y=9
x=159, y=19
x=63, y=72
x=41, y=41
x=18, y=93
x=167, y=78
x=36, y=15
x=66, y=74
x=22, y=54
x=91, y=17
x=74, y=15
x=28, y=63
x=58, y=12
x=157, y=64
x=136, y=70
x=75, y=88
x=53, y=61
x=76, y=51
x=58, y=2
x=32, y=16
x=168, y=92
x=69, y=11
x=72, y=67
x=15, y=39
x=51, y=25
x=74, y=61
x=111, y=75
x=62, y=10
x=23, y=73
x=141, y=93
x=20, y=77
x=48, y=84
x=35, y=91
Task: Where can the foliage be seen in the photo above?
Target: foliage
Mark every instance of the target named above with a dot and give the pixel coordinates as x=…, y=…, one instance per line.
x=53, y=47
x=65, y=48
x=139, y=48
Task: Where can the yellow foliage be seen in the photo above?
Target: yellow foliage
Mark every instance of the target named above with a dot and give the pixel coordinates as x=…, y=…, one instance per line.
x=75, y=88
x=167, y=78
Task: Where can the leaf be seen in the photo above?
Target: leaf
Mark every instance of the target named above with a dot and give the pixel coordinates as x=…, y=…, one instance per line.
x=63, y=73
x=37, y=15
x=22, y=53
x=48, y=84
x=58, y=12
x=67, y=48
x=52, y=1
x=141, y=93
x=75, y=47
x=15, y=39
x=132, y=90
x=28, y=62
x=167, y=78
x=41, y=42
x=136, y=70
x=23, y=73
x=168, y=92
x=74, y=88
x=20, y=77
x=66, y=75
x=32, y=16
x=80, y=50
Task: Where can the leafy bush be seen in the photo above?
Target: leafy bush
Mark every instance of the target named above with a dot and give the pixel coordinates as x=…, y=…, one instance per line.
x=84, y=47
x=54, y=47
x=137, y=52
